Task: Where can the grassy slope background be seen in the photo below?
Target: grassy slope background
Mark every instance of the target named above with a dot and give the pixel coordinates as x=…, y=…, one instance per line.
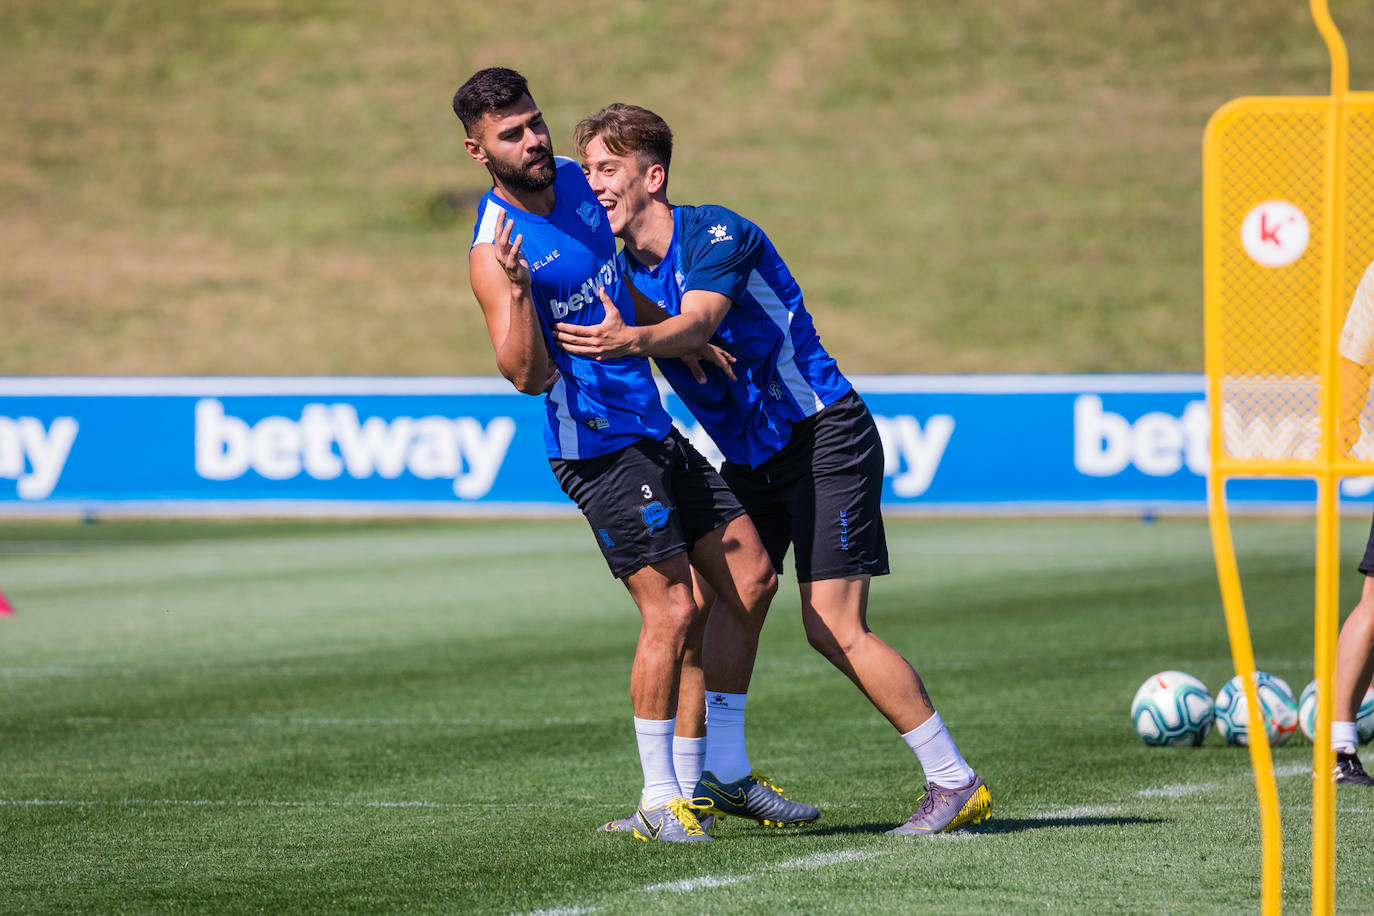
x=244, y=186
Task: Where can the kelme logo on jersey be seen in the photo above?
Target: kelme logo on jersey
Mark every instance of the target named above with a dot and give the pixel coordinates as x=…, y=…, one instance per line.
x=590, y=213
x=655, y=515
x=720, y=234
x=586, y=294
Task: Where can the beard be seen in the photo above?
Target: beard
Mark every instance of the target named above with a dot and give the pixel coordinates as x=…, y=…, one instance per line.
x=524, y=177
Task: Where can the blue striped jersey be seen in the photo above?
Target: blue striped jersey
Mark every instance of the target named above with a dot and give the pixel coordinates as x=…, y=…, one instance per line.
x=783, y=373
x=595, y=408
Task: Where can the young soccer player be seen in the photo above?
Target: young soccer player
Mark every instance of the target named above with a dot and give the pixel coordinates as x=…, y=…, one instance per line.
x=542, y=252
x=801, y=450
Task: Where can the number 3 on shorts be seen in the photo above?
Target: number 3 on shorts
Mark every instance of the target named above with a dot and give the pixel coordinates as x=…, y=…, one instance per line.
x=648, y=494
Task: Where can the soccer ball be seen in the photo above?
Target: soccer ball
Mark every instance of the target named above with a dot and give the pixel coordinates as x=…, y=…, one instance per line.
x=1276, y=699
x=1307, y=714
x=1172, y=708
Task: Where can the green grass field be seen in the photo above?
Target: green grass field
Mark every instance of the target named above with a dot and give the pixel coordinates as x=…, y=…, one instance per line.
x=433, y=717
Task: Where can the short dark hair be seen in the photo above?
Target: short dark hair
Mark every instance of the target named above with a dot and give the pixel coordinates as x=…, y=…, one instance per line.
x=488, y=90
x=627, y=129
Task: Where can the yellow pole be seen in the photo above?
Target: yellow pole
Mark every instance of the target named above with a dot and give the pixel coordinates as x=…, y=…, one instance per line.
x=1323, y=760
x=1243, y=658
x=1328, y=484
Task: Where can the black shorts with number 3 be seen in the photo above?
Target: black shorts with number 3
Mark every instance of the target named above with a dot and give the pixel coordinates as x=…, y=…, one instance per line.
x=822, y=493
x=647, y=501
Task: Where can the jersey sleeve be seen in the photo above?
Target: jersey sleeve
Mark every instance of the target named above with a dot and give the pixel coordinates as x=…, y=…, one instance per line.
x=484, y=232
x=720, y=251
x=1357, y=335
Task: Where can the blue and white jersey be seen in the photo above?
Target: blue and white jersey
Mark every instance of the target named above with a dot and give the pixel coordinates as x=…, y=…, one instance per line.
x=783, y=373
x=595, y=408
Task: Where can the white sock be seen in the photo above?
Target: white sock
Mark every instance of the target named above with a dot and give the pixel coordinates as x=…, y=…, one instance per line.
x=1343, y=737
x=941, y=760
x=655, y=737
x=688, y=755
x=725, y=754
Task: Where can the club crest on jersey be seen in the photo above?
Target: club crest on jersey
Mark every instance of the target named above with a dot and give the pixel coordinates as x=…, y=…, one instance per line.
x=590, y=213
x=655, y=515
x=720, y=234
x=775, y=390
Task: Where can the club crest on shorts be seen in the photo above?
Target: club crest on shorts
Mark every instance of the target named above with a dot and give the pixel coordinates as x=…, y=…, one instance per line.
x=655, y=515
x=590, y=213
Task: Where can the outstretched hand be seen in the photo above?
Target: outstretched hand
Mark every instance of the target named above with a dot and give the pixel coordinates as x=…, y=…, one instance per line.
x=607, y=340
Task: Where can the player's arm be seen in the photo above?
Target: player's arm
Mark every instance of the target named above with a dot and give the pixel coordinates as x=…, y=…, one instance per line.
x=1354, y=392
x=686, y=336
x=501, y=282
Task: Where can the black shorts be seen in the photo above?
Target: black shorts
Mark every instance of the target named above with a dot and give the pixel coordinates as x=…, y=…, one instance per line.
x=1367, y=562
x=648, y=501
x=822, y=492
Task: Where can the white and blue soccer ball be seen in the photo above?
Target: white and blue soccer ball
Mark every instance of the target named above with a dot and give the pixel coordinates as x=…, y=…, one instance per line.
x=1276, y=699
x=1172, y=708
x=1307, y=714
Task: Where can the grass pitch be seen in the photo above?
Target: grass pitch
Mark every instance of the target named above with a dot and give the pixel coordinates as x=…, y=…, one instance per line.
x=433, y=717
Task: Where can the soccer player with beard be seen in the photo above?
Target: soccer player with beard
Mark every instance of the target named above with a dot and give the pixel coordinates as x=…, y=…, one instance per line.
x=542, y=251
x=801, y=450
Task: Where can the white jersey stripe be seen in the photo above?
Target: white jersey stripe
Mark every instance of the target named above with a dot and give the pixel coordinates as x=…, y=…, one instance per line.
x=486, y=225
x=801, y=391
x=567, y=426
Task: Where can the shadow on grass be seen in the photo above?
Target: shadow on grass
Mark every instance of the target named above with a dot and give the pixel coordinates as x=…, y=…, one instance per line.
x=997, y=825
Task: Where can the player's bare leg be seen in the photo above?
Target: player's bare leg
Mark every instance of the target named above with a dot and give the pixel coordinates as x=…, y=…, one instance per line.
x=691, y=693
x=1355, y=656
x=735, y=570
x=1354, y=668
x=663, y=593
x=736, y=582
x=835, y=614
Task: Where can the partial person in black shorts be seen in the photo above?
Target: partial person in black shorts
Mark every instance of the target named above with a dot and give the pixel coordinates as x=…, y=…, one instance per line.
x=1355, y=645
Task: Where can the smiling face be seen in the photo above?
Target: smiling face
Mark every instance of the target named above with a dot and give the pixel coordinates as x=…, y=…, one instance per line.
x=513, y=142
x=624, y=184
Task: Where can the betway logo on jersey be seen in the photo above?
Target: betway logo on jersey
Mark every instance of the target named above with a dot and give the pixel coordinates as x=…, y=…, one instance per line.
x=328, y=440
x=587, y=294
x=32, y=456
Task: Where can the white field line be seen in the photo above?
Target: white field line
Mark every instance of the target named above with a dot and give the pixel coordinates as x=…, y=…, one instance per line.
x=1180, y=790
x=270, y=803
x=704, y=882
x=687, y=885
x=1077, y=811
x=307, y=721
